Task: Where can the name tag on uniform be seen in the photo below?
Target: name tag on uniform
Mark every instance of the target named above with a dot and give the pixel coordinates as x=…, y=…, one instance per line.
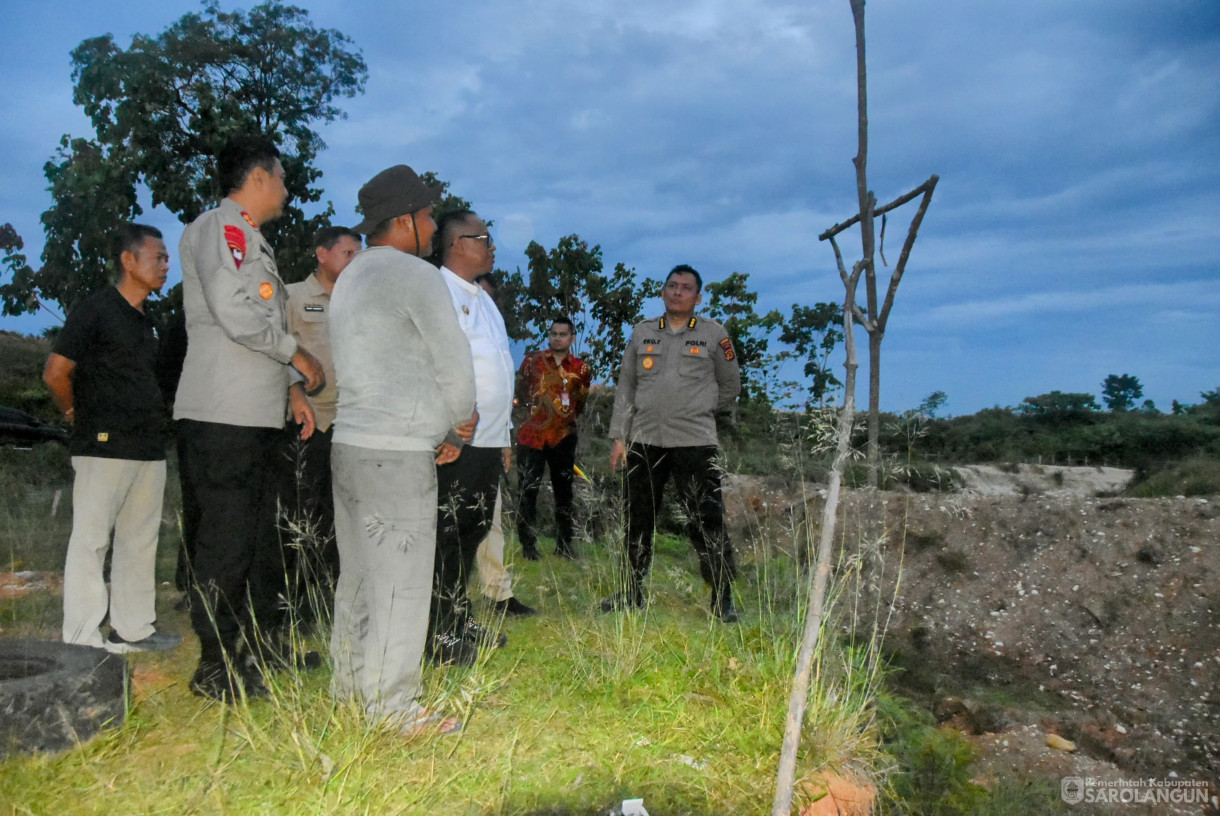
x=314, y=307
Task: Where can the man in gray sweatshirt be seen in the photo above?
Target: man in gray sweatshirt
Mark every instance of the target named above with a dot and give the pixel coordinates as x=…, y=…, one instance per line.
x=406, y=404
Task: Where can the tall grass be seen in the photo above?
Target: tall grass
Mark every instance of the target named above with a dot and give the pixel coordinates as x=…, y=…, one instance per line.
x=581, y=709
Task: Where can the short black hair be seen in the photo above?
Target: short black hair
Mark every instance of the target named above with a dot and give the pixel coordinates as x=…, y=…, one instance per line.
x=684, y=269
x=327, y=237
x=240, y=156
x=566, y=320
x=129, y=237
x=447, y=227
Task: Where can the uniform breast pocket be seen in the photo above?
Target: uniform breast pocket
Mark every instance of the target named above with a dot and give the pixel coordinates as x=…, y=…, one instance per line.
x=313, y=314
x=695, y=363
x=650, y=365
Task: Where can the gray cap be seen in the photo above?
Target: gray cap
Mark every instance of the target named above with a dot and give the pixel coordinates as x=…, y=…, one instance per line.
x=395, y=191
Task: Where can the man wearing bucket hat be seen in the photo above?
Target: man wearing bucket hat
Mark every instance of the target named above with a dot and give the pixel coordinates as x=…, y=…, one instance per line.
x=406, y=404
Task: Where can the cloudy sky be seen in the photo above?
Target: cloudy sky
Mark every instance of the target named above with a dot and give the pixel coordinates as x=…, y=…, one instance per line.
x=1075, y=232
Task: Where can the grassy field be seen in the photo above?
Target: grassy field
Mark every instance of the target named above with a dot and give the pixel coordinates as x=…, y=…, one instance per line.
x=578, y=712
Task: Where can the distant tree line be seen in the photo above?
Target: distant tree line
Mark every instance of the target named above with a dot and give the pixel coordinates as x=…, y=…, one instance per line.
x=161, y=109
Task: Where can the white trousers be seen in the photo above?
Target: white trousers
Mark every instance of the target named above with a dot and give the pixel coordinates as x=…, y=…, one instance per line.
x=123, y=497
x=494, y=579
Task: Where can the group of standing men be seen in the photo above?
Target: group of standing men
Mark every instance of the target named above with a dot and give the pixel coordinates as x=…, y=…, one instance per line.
x=399, y=381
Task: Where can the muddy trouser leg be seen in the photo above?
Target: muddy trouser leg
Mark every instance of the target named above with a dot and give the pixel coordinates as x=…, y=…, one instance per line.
x=648, y=468
x=697, y=474
x=466, y=500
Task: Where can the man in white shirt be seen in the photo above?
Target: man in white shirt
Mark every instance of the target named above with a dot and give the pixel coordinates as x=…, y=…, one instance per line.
x=467, y=487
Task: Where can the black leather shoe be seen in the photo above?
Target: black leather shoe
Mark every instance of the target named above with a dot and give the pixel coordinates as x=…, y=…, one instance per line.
x=625, y=600
x=531, y=553
x=482, y=636
x=214, y=681
x=451, y=650
x=722, y=605
x=513, y=607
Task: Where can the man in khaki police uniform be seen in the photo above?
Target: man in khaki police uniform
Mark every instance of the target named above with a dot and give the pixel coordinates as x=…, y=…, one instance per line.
x=230, y=409
x=677, y=372
x=308, y=487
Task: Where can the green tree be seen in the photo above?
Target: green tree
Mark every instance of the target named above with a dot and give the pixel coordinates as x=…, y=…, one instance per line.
x=160, y=111
x=1121, y=391
x=932, y=404
x=1058, y=405
x=569, y=280
x=731, y=302
x=813, y=332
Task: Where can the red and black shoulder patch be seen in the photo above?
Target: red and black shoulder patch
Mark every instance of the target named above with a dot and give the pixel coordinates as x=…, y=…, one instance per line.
x=235, y=237
x=727, y=346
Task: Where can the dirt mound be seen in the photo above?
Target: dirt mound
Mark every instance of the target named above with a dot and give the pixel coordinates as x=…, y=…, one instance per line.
x=1035, y=603
x=1049, y=480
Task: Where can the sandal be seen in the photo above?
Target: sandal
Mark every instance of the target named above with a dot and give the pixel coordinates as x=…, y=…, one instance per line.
x=430, y=722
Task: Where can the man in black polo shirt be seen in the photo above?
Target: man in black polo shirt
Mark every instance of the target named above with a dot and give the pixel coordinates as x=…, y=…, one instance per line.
x=102, y=375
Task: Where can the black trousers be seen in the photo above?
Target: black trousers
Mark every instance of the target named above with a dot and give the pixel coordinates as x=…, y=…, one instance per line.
x=530, y=464
x=466, y=504
x=697, y=477
x=307, y=498
x=229, y=485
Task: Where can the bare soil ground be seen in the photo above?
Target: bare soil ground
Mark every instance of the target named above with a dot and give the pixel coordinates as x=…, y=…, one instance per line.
x=1028, y=606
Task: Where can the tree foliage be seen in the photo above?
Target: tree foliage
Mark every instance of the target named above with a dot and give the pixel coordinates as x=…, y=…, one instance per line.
x=731, y=302
x=813, y=332
x=160, y=111
x=1058, y=406
x=1120, y=392
x=569, y=280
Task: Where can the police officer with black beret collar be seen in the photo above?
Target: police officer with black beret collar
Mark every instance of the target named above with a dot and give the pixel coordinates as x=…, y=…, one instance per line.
x=678, y=371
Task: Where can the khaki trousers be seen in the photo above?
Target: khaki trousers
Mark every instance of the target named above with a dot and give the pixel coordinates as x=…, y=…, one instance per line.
x=385, y=527
x=123, y=497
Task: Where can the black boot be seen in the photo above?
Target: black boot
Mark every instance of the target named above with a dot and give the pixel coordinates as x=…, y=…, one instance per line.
x=531, y=552
x=631, y=597
x=722, y=604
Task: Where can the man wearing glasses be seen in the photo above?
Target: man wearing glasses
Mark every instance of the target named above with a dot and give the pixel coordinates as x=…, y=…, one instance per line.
x=677, y=372
x=467, y=487
x=554, y=384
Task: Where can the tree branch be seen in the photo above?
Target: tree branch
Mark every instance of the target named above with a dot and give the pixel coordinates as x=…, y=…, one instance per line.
x=928, y=187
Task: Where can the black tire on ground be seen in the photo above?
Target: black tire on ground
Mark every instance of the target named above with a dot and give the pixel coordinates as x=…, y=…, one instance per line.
x=55, y=695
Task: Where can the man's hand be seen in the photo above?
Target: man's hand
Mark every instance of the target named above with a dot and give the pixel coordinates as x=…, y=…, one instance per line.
x=446, y=453
x=466, y=429
x=302, y=411
x=508, y=458
x=311, y=370
x=617, y=452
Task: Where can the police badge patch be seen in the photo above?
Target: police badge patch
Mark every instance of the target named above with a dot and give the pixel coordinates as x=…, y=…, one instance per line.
x=727, y=345
x=236, y=239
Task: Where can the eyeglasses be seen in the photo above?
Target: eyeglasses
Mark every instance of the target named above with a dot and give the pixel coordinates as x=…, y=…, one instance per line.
x=485, y=238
